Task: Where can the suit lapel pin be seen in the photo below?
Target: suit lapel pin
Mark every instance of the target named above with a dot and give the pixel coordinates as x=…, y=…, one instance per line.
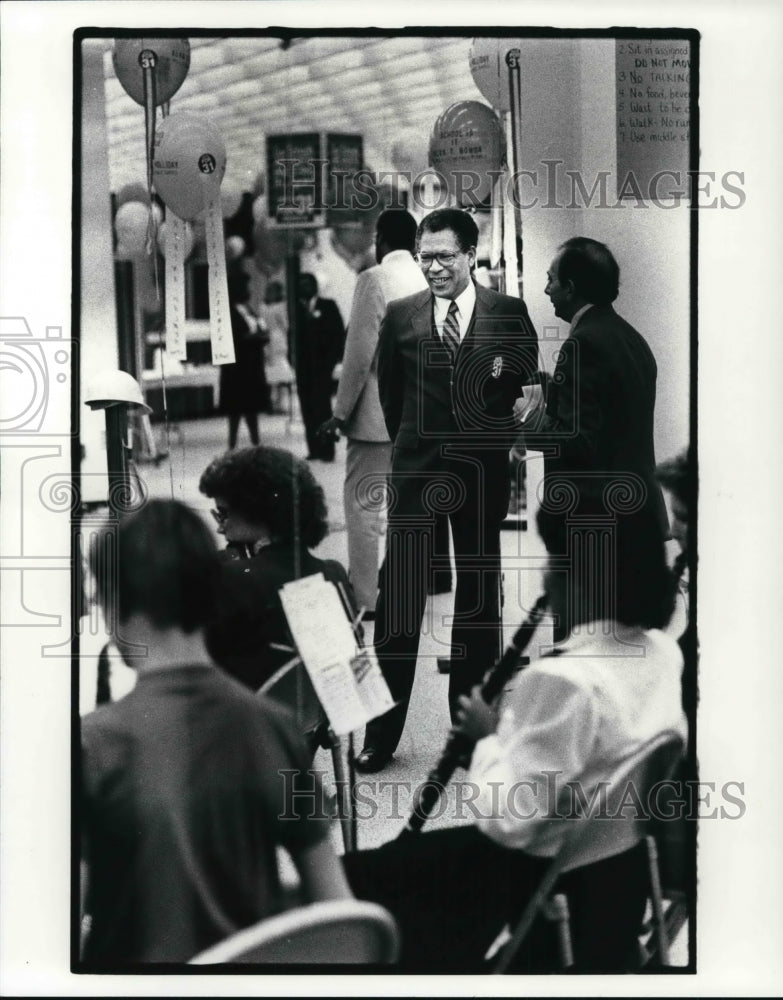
x=497, y=367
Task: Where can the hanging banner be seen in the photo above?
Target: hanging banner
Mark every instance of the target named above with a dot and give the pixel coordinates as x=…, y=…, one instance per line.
x=219, y=315
x=176, y=248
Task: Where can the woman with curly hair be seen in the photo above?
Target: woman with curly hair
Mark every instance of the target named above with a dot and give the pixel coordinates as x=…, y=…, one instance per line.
x=272, y=512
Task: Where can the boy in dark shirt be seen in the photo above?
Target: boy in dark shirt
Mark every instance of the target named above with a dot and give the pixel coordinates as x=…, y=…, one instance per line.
x=191, y=781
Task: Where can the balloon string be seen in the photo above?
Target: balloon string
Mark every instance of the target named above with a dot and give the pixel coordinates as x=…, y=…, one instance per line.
x=152, y=244
x=166, y=425
x=150, y=104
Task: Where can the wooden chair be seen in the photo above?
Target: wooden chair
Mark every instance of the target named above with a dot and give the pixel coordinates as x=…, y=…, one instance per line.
x=343, y=931
x=653, y=762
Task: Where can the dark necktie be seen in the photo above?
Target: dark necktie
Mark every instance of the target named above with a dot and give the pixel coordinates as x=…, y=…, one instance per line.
x=451, y=330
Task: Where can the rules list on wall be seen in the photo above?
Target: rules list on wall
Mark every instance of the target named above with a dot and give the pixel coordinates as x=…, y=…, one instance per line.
x=653, y=94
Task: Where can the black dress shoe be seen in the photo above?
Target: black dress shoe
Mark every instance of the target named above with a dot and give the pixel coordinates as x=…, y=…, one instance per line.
x=371, y=759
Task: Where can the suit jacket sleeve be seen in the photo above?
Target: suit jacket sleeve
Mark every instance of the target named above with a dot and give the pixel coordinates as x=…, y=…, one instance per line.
x=528, y=347
x=390, y=374
x=333, y=322
x=361, y=343
x=574, y=417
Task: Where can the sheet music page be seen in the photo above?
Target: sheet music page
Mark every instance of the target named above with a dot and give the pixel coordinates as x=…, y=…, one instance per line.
x=348, y=681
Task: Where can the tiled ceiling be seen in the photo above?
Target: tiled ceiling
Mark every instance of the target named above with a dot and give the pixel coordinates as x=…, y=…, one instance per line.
x=385, y=88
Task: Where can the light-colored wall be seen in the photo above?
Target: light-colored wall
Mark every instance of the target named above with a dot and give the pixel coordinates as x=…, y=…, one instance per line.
x=568, y=114
x=98, y=328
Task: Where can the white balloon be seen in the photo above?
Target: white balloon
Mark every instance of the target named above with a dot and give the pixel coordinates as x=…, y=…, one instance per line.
x=188, y=239
x=489, y=69
x=235, y=247
x=409, y=153
x=189, y=164
x=230, y=198
x=259, y=209
x=130, y=225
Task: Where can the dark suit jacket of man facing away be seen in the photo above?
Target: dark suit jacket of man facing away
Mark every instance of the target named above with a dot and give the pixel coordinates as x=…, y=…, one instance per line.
x=598, y=429
x=452, y=429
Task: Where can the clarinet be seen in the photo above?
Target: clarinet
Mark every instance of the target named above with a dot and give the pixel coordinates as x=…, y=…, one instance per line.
x=495, y=679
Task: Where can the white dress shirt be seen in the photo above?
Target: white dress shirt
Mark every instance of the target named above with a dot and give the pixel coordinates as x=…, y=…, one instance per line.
x=578, y=315
x=466, y=303
x=580, y=715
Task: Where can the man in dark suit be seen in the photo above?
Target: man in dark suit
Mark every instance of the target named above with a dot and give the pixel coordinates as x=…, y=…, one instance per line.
x=452, y=361
x=593, y=420
x=318, y=346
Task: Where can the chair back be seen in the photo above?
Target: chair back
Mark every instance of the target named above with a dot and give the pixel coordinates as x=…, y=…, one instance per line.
x=618, y=820
x=343, y=931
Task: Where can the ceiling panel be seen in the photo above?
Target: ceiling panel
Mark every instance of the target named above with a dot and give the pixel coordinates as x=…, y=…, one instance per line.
x=381, y=88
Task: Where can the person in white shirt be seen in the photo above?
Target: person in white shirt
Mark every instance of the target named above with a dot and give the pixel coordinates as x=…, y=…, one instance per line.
x=273, y=313
x=357, y=408
x=572, y=717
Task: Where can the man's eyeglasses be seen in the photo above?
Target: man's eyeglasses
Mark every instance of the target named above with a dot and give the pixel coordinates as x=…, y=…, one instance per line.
x=444, y=259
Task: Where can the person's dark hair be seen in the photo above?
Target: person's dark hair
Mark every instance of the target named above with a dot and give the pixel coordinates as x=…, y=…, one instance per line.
x=271, y=487
x=274, y=292
x=462, y=223
x=237, y=282
x=304, y=279
x=397, y=228
x=639, y=590
x=676, y=475
x=166, y=566
x=592, y=269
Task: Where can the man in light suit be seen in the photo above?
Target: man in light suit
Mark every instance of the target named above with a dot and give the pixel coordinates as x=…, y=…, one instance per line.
x=593, y=420
x=357, y=408
x=452, y=361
